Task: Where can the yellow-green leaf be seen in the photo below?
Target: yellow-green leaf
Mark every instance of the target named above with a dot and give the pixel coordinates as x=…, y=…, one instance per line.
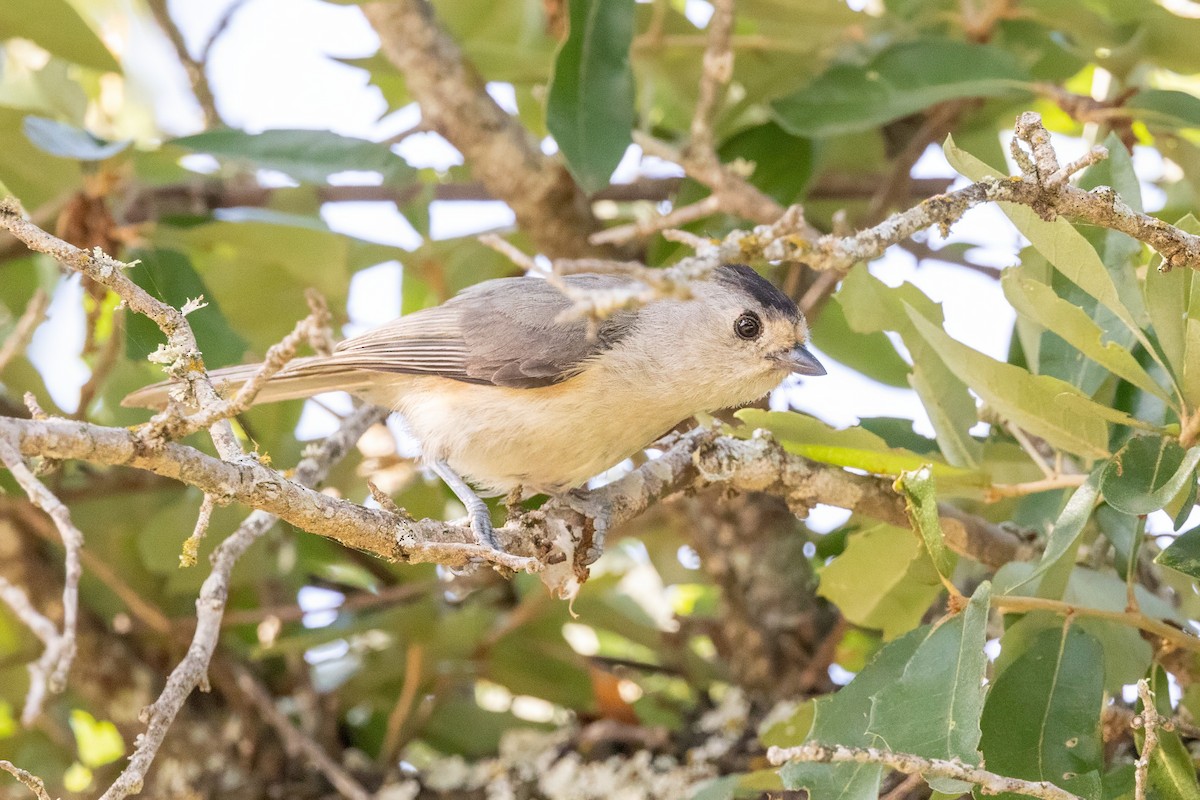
x=98, y=741
x=883, y=580
x=1046, y=407
x=849, y=447
x=1038, y=302
x=920, y=498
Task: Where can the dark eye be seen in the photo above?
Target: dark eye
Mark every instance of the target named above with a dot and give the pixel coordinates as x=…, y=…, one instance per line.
x=748, y=326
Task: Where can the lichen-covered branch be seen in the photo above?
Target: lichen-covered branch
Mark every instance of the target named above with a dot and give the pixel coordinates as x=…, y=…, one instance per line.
x=988, y=782
x=1149, y=721
x=181, y=354
x=192, y=671
x=1043, y=187
x=256, y=485
x=49, y=672
x=505, y=157
x=31, y=781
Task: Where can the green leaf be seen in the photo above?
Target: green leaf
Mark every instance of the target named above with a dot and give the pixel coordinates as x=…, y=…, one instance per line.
x=848, y=447
x=920, y=499
x=506, y=40
x=871, y=306
x=98, y=741
x=1165, y=108
x=1041, y=720
x=791, y=731
x=57, y=27
x=1044, y=406
x=1173, y=303
x=872, y=354
x=842, y=718
x=934, y=709
x=902, y=80
x=1055, y=567
x=170, y=276
x=1147, y=472
x=1126, y=653
x=1038, y=302
x=306, y=155
x=883, y=580
x=1183, y=554
x=783, y=163
x=67, y=141
x=590, y=109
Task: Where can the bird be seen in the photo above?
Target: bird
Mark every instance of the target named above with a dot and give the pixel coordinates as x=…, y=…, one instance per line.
x=505, y=391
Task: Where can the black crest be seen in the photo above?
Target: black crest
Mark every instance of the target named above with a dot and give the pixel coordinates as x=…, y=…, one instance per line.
x=758, y=288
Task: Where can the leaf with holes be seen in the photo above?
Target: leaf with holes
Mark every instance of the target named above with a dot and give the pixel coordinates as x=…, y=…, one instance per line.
x=1041, y=721
x=933, y=710
x=842, y=718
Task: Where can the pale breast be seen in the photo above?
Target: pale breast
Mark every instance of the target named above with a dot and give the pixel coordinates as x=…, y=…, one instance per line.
x=549, y=439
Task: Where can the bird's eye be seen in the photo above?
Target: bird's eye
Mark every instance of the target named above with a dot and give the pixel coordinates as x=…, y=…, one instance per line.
x=748, y=326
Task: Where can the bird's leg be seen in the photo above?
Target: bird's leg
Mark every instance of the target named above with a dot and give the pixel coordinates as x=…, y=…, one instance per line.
x=477, y=510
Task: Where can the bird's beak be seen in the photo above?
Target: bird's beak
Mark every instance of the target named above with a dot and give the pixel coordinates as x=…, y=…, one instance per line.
x=800, y=361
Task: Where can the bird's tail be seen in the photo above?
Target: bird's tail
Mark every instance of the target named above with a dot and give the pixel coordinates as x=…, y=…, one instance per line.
x=297, y=380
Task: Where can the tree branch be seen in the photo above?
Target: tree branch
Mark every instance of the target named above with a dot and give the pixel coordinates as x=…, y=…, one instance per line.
x=181, y=353
x=1149, y=721
x=295, y=742
x=192, y=671
x=989, y=782
x=1044, y=188
x=503, y=155
x=33, y=315
x=49, y=672
x=33, y=782
x=195, y=68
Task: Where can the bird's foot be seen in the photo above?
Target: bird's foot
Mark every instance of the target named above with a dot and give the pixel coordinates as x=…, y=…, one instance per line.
x=481, y=526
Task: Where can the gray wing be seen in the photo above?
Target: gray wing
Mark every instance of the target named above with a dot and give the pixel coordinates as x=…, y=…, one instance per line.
x=501, y=332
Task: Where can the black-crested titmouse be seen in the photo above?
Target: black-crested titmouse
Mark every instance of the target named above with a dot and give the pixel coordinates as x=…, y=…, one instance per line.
x=501, y=391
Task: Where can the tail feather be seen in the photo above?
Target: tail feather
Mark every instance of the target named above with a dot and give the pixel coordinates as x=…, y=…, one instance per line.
x=296, y=381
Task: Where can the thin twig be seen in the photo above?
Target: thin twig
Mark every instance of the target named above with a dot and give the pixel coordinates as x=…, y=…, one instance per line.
x=717, y=71
x=277, y=357
x=218, y=30
x=405, y=703
x=49, y=672
x=999, y=491
x=1031, y=450
x=292, y=612
x=181, y=354
x=295, y=741
x=621, y=234
x=18, y=603
x=16, y=342
x=1150, y=721
x=989, y=782
x=143, y=610
x=196, y=68
x=191, y=545
x=108, y=359
x=1133, y=619
x=33, y=782
x=192, y=671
